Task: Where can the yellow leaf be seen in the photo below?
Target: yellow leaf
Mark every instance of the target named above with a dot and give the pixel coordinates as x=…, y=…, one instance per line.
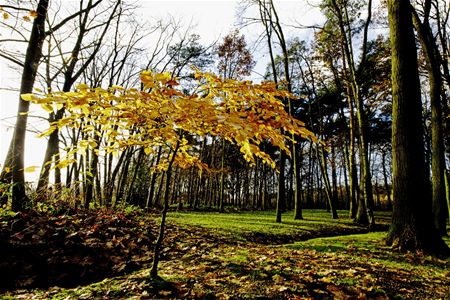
x=47, y=107
x=148, y=150
x=33, y=13
x=27, y=97
x=64, y=163
x=83, y=144
x=84, y=109
x=59, y=106
x=26, y=18
x=5, y=16
x=47, y=132
x=82, y=87
x=30, y=169
x=163, y=77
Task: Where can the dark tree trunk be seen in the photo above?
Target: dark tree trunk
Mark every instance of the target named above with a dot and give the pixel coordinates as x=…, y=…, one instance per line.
x=281, y=191
x=386, y=183
x=158, y=243
x=412, y=223
x=433, y=59
x=151, y=190
x=298, y=215
x=91, y=175
x=16, y=152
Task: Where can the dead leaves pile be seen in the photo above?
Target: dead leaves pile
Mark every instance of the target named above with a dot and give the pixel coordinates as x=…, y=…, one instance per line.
x=42, y=250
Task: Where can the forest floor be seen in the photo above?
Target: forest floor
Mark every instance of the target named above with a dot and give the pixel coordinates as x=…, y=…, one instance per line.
x=103, y=254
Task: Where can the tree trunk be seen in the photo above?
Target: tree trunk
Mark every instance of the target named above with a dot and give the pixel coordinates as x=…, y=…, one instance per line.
x=222, y=174
x=354, y=187
x=432, y=58
x=151, y=189
x=326, y=181
x=297, y=192
x=16, y=152
x=281, y=190
x=386, y=184
x=91, y=174
x=412, y=223
x=158, y=243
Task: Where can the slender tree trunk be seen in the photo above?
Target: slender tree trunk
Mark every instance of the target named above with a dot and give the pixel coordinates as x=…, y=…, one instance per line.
x=123, y=178
x=281, y=191
x=158, y=193
x=326, y=181
x=297, y=198
x=222, y=174
x=151, y=190
x=334, y=175
x=354, y=187
x=386, y=183
x=447, y=190
x=158, y=243
x=112, y=181
x=91, y=175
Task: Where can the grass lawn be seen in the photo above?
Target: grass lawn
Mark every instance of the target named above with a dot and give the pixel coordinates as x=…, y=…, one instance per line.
x=260, y=225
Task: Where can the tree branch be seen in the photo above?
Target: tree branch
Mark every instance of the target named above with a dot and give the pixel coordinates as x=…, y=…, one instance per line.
x=64, y=21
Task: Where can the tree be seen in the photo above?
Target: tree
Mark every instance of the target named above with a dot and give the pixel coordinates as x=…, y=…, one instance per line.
x=412, y=223
x=235, y=61
x=269, y=18
x=247, y=115
x=31, y=64
x=71, y=70
x=433, y=63
x=343, y=20
x=189, y=52
x=16, y=152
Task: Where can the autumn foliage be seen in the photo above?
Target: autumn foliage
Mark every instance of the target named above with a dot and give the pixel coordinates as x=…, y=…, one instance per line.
x=161, y=114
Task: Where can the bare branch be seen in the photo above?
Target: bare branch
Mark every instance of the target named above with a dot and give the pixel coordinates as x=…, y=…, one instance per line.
x=12, y=59
x=64, y=21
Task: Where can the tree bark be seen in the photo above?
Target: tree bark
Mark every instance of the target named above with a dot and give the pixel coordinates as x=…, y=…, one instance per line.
x=158, y=243
x=433, y=58
x=412, y=223
x=385, y=177
x=17, y=147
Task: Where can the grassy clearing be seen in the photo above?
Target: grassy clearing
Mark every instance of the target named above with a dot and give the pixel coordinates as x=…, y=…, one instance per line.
x=261, y=224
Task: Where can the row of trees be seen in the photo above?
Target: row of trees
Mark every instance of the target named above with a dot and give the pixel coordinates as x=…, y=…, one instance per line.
x=340, y=84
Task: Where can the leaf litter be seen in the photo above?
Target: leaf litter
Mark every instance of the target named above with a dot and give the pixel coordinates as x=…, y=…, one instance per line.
x=106, y=255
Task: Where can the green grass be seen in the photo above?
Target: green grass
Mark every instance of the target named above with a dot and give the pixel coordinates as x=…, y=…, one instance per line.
x=370, y=247
x=363, y=242
x=241, y=223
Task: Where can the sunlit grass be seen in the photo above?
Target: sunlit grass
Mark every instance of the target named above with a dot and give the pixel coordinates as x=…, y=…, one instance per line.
x=372, y=247
x=264, y=222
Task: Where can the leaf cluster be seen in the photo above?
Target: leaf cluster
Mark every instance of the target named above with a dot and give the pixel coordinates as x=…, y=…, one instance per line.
x=161, y=114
